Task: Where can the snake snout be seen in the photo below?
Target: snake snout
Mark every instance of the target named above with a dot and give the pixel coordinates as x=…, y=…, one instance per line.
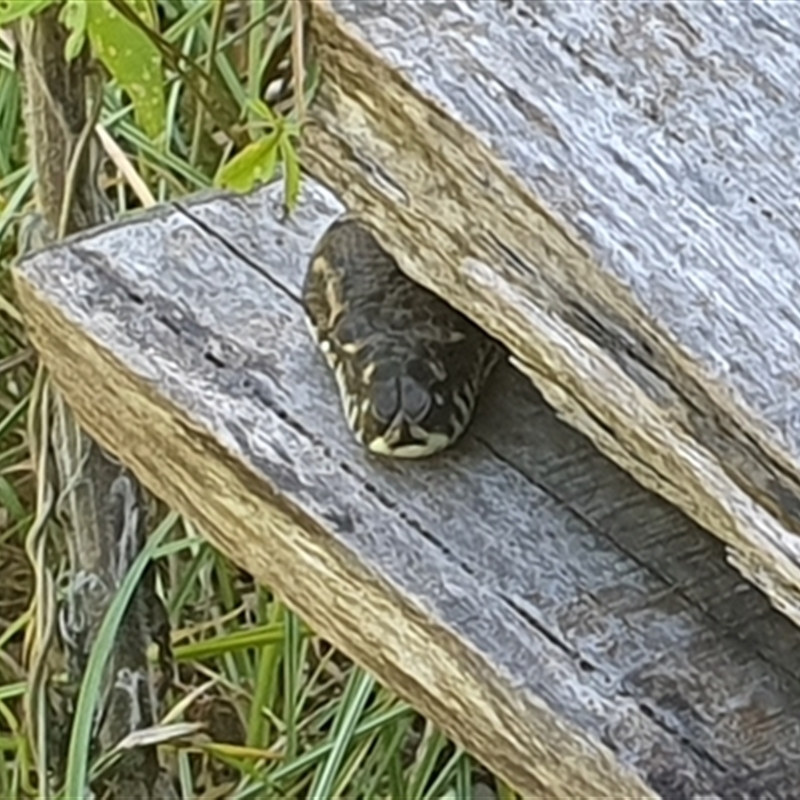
x=400, y=399
x=398, y=417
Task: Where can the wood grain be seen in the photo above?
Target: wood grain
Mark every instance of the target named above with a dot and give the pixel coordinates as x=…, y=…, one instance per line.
x=579, y=635
x=608, y=189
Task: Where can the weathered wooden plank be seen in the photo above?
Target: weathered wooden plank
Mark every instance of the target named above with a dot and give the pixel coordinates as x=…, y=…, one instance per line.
x=608, y=188
x=566, y=626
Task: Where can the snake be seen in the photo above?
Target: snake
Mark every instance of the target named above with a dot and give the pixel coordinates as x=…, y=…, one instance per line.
x=409, y=366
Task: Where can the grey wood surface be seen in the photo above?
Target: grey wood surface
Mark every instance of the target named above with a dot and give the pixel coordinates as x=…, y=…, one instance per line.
x=610, y=188
x=581, y=636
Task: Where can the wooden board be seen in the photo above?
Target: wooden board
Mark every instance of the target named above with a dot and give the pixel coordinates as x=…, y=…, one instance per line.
x=611, y=189
x=582, y=637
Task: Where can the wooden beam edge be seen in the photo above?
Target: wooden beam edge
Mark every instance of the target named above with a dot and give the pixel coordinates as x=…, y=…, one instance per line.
x=369, y=139
x=514, y=734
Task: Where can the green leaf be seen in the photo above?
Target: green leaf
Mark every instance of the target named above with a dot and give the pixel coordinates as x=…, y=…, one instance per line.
x=433, y=744
x=291, y=170
x=262, y=110
x=131, y=57
x=73, y=18
x=14, y=9
x=256, y=163
x=292, y=660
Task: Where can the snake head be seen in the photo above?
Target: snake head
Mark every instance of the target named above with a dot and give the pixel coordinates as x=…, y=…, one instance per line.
x=408, y=406
x=409, y=367
x=402, y=412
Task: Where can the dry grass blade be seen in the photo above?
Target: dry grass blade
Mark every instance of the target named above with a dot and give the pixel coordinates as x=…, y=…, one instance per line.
x=126, y=168
x=298, y=59
x=39, y=635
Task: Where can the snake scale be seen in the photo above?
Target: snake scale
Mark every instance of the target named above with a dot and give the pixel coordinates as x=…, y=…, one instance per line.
x=409, y=367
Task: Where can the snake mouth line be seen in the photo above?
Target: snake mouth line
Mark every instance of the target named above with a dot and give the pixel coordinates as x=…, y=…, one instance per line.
x=404, y=440
x=419, y=449
x=400, y=439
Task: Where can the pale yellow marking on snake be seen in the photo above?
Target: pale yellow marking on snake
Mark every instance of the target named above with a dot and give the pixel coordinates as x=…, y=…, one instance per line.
x=432, y=444
x=333, y=289
x=369, y=371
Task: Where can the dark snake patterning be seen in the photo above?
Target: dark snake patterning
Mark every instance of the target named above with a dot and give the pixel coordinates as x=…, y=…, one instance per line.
x=409, y=367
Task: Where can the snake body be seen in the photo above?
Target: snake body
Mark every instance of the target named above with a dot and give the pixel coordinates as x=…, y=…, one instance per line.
x=409, y=367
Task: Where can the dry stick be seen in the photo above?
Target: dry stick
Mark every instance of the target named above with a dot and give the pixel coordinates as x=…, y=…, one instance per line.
x=217, y=18
x=75, y=162
x=123, y=164
x=298, y=64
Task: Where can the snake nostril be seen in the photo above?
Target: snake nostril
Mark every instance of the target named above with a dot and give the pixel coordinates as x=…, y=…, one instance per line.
x=416, y=401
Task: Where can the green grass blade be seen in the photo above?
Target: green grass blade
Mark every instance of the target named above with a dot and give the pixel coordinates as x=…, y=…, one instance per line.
x=9, y=499
x=359, y=688
x=444, y=777
x=13, y=690
x=13, y=416
x=80, y=739
x=264, y=689
x=424, y=769
x=251, y=638
x=317, y=754
x=292, y=659
x=390, y=747
x=16, y=201
x=464, y=779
